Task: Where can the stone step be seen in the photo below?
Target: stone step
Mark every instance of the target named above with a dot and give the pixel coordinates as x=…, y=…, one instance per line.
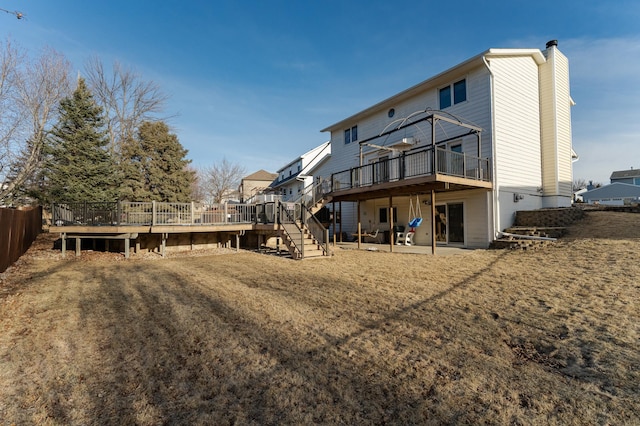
x=538, y=231
x=516, y=244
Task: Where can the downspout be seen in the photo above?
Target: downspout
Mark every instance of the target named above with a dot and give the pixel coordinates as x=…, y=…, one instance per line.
x=495, y=191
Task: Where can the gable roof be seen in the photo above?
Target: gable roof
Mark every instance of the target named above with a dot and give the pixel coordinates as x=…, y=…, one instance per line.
x=623, y=174
x=438, y=80
x=261, y=175
x=317, y=151
x=614, y=190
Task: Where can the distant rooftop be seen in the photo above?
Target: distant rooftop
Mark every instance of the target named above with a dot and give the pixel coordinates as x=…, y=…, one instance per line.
x=623, y=174
x=261, y=175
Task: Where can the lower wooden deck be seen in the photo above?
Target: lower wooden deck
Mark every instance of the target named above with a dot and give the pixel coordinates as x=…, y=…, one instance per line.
x=180, y=234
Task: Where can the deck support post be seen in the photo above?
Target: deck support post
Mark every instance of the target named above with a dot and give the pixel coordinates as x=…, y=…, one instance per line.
x=359, y=226
x=333, y=209
x=127, y=242
x=433, y=221
x=63, y=241
x=340, y=208
x=237, y=242
x=164, y=244
x=78, y=246
x=391, y=221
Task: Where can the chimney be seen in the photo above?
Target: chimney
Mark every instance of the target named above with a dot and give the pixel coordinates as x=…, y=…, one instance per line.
x=552, y=43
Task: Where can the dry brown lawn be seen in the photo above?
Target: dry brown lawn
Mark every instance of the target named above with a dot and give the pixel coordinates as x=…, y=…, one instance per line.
x=497, y=337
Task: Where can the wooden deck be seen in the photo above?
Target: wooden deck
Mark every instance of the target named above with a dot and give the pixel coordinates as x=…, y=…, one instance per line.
x=134, y=233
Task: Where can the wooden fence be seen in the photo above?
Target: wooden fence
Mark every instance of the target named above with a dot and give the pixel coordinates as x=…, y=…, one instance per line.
x=18, y=229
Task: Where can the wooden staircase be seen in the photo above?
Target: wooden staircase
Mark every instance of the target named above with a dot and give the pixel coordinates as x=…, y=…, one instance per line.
x=302, y=233
x=300, y=243
x=319, y=204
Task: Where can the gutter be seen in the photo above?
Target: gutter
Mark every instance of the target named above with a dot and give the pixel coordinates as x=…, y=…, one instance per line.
x=495, y=191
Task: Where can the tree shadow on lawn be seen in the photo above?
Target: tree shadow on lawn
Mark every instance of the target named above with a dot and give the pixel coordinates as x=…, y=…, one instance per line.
x=170, y=350
x=162, y=347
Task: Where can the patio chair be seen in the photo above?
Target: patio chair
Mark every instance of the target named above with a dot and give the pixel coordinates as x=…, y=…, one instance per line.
x=408, y=241
x=372, y=235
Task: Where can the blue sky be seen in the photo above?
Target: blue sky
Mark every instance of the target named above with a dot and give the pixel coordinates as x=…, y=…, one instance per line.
x=255, y=81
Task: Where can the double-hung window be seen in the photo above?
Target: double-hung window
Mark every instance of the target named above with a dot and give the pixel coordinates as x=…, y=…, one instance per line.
x=453, y=94
x=351, y=135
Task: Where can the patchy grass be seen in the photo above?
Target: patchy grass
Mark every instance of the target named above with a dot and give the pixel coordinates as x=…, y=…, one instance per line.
x=539, y=337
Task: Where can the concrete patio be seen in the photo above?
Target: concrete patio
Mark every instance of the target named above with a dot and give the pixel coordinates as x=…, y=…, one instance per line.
x=414, y=249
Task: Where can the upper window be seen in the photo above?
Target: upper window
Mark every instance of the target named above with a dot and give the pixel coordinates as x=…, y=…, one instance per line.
x=351, y=135
x=453, y=94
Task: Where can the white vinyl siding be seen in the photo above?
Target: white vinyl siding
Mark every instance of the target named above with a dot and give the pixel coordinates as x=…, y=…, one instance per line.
x=555, y=104
x=517, y=122
x=518, y=159
x=563, y=99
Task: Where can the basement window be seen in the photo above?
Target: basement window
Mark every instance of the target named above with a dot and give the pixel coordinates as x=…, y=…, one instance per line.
x=383, y=215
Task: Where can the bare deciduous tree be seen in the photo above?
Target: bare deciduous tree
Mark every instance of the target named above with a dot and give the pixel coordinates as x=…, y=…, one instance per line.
x=197, y=186
x=220, y=181
x=127, y=100
x=579, y=183
x=9, y=111
x=34, y=91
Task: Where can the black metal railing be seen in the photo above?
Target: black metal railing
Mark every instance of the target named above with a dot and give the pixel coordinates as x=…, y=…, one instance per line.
x=423, y=162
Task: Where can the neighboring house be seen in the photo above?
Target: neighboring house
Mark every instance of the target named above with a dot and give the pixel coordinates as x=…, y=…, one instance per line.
x=254, y=184
x=577, y=195
x=631, y=176
x=615, y=194
x=467, y=147
x=292, y=179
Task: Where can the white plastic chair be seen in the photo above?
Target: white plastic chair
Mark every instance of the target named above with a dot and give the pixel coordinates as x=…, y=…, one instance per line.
x=408, y=241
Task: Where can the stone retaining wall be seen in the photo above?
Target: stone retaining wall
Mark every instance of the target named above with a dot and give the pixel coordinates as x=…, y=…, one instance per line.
x=549, y=217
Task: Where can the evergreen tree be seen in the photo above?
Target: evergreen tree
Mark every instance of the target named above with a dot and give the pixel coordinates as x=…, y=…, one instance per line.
x=154, y=166
x=78, y=166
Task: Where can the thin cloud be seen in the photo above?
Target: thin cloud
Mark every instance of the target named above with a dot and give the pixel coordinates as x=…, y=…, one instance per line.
x=604, y=85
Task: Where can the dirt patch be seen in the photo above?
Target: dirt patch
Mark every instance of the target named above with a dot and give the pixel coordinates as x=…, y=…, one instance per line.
x=363, y=337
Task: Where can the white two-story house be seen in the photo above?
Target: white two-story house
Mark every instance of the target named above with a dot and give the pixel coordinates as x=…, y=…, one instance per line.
x=462, y=150
x=293, y=178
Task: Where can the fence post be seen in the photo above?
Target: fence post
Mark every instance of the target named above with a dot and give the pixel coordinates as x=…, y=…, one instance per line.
x=118, y=212
x=153, y=213
x=225, y=213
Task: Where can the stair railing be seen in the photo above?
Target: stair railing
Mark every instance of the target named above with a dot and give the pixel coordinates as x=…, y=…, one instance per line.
x=285, y=216
x=314, y=193
x=318, y=231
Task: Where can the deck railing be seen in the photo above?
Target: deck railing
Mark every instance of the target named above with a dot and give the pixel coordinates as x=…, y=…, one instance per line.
x=124, y=213
x=424, y=162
